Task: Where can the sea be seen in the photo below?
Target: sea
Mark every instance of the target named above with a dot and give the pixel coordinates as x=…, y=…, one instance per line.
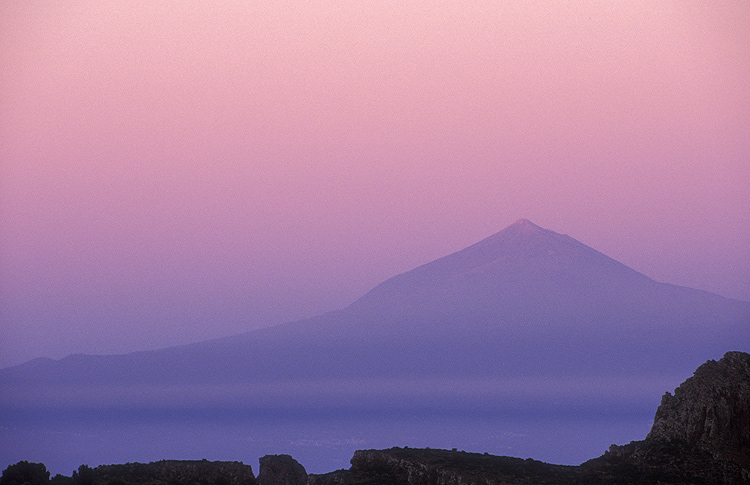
x=322, y=440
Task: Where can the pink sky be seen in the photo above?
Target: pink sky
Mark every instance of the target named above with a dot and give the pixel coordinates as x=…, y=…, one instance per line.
x=172, y=172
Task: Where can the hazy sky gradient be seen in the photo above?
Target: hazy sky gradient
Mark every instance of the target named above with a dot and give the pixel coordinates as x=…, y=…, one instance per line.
x=174, y=171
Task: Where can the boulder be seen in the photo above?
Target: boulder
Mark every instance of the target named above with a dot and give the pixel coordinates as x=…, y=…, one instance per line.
x=281, y=470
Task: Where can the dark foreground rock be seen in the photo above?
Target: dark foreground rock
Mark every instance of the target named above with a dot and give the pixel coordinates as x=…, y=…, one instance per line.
x=281, y=470
x=398, y=466
x=700, y=435
x=711, y=410
x=166, y=472
x=177, y=472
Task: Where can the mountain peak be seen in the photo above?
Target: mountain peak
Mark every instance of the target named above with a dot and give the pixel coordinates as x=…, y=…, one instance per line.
x=525, y=236
x=524, y=228
x=524, y=222
x=521, y=264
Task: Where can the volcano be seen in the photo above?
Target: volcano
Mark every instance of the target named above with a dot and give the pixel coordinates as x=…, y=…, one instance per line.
x=525, y=302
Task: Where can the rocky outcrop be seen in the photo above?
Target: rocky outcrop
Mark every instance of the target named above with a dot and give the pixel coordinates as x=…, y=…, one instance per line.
x=701, y=434
x=710, y=410
x=174, y=472
x=410, y=466
x=339, y=477
x=281, y=470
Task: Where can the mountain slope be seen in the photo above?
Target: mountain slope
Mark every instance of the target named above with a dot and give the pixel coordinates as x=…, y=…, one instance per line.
x=523, y=302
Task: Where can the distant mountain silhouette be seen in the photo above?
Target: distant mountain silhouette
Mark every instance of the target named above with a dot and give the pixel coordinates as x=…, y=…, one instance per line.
x=523, y=302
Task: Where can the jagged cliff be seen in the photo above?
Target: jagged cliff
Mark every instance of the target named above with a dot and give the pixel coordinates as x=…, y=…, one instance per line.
x=710, y=410
x=701, y=434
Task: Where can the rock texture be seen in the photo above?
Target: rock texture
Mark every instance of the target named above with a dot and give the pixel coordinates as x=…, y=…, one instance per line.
x=441, y=467
x=414, y=466
x=173, y=472
x=710, y=410
x=281, y=470
x=701, y=434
